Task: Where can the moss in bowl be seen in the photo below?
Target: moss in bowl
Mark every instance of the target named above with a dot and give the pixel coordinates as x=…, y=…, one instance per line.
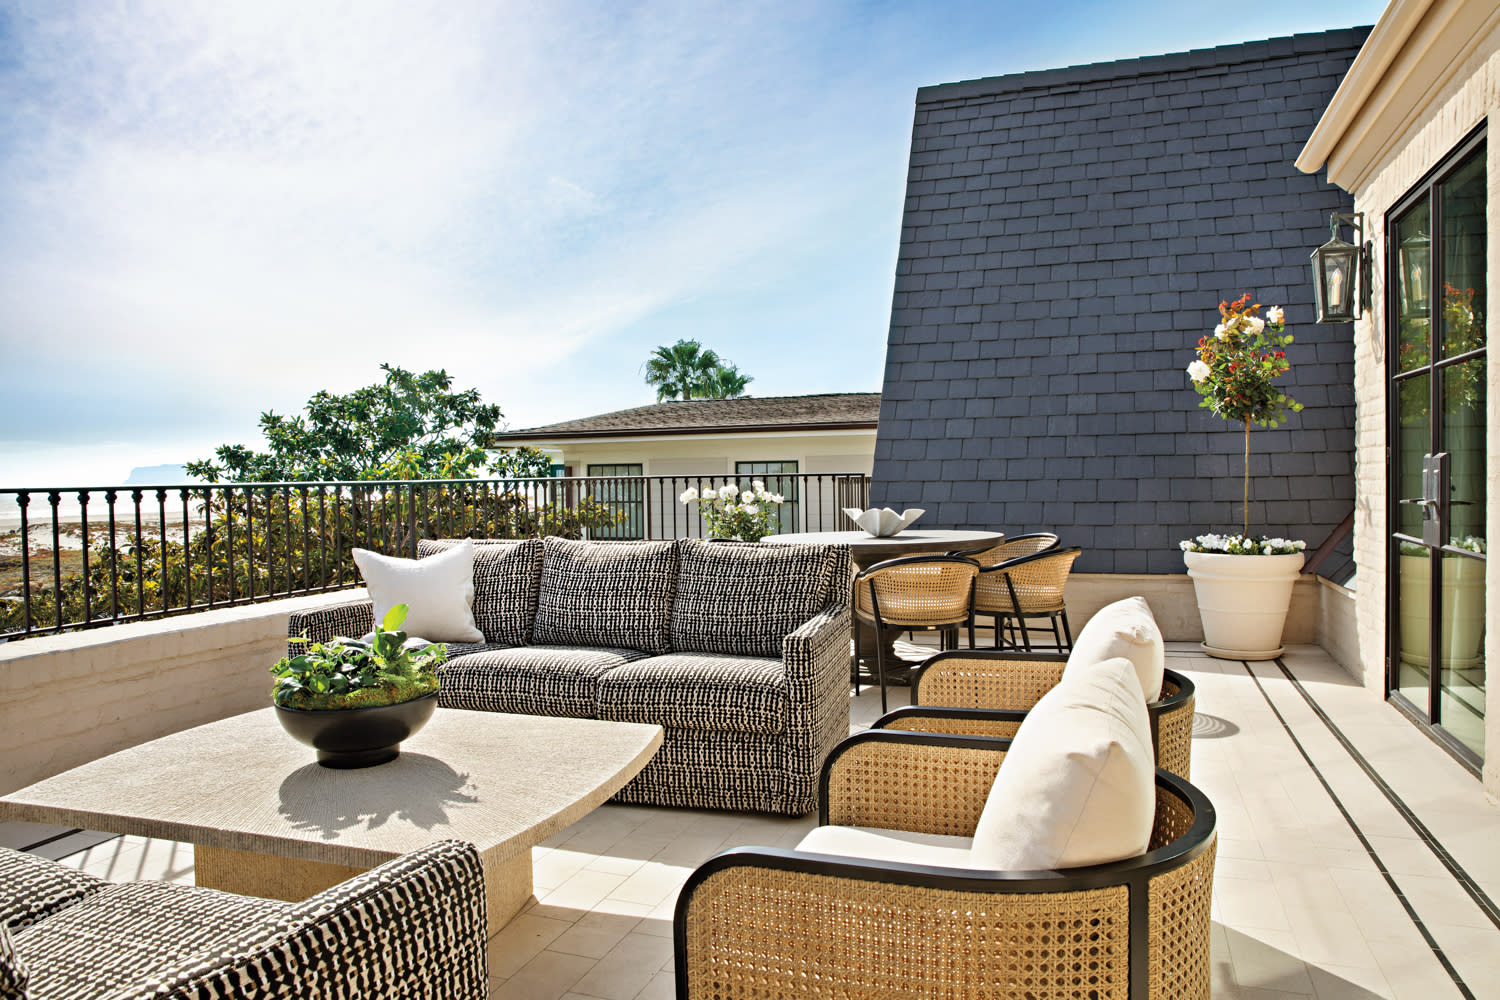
x=355, y=700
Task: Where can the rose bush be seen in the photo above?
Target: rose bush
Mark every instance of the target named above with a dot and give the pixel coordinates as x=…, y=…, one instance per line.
x=731, y=513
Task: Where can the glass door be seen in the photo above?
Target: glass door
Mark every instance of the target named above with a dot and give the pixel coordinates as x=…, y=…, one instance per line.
x=1437, y=304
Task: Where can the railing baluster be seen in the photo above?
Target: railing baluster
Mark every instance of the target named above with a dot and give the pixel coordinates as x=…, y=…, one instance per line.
x=23, y=501
x=57, y=598
x=161, y=534
x=136, y=497
x=187, y=551
x=83, y=517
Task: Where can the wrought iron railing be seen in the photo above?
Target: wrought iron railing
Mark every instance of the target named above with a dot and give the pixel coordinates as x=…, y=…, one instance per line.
x=87, y=557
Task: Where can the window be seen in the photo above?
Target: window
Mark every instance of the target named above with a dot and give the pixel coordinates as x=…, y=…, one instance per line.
x=622, y=488
x=779, y=477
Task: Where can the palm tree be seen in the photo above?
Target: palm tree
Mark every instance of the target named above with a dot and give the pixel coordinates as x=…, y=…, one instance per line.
x=680, y=370
x=724, y=382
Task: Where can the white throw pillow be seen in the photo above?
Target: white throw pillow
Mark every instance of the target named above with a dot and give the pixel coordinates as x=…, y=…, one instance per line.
x=438, y=592
x=1078, y=785
x=1125, y=628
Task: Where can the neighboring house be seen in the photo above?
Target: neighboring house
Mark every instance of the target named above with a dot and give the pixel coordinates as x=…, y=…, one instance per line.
x=815, y=450
x=1407, y=135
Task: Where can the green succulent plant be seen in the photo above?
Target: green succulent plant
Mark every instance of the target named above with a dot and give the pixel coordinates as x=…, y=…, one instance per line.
x=354, y=673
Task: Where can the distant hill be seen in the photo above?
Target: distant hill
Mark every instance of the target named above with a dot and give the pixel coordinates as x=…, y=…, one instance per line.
x=158, y=475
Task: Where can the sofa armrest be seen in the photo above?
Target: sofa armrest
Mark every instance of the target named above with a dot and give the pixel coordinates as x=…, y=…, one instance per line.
x=969, y=678
x=33, y=888
x=412, y=927
x=920, y=782
x=350, y=619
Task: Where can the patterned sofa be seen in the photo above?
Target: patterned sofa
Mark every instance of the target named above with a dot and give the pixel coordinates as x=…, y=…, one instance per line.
x=413, y=927
x=739, y=651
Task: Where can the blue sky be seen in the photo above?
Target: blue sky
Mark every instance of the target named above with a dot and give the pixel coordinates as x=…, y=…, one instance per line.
x=212, y=209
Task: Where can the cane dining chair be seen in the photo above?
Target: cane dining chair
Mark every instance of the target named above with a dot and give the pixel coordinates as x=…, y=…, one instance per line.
x=1026, y=587
x=914, y=593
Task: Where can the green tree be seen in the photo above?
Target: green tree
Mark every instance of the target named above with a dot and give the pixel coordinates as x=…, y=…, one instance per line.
x=524, y=462
x=686, y=370
x=408, y=427
x=724, y=382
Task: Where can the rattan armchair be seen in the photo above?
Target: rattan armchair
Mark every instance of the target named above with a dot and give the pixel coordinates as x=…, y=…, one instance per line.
x=759, y=922
x=988, y=693
x=1029, y=586
x=915, y=593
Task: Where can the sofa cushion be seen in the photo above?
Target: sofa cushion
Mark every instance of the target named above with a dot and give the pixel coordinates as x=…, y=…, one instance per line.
x=900, y=846
x=33, y=887
x=531, y=680
x=12, y=970
x=438, y=592
x=1125, y=628
x=745, y=599
x=507, y=577
x=1077, y=786
x=612, y=594
x=133, y=934
x=704, y=691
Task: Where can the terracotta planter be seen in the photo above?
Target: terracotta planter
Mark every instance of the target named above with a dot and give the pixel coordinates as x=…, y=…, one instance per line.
x=1243, y=601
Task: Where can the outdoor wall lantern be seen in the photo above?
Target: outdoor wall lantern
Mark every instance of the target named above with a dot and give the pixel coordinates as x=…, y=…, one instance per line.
x=1337, y=268
x=1416, y=271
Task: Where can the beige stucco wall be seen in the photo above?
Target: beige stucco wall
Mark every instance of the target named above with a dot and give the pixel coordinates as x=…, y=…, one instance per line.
x=67, y=699
x=1413, y=146
x=716, y=455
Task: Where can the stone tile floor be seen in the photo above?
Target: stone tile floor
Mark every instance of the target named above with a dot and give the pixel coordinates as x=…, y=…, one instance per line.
x=1356, y=859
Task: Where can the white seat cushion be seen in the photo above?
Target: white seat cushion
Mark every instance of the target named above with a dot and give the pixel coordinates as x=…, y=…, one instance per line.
x=438, y=592
x=900, y=846
x=1125, y=628
x=1078, y=785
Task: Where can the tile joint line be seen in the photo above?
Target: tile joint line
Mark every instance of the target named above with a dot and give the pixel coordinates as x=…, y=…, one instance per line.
x=1390, y=882
x=1481, y=899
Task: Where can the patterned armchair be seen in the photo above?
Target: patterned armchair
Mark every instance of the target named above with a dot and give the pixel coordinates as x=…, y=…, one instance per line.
x=412, y=927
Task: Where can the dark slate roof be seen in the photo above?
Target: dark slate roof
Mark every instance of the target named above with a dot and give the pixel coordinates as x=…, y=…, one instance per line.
x=1067, y=237
x=831, y=411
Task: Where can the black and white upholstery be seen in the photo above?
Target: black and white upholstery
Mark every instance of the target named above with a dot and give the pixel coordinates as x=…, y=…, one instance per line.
x=740, y=652
x=506, y=577
x=745, y=599
x=606, y=594
x=412, y=927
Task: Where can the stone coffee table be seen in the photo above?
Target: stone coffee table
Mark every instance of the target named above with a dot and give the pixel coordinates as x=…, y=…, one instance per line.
x=265, y=820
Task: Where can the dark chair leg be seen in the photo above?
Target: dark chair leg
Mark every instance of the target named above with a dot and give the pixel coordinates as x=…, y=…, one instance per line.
x=880, y=667
x=1067, y=632
x=1025, y=634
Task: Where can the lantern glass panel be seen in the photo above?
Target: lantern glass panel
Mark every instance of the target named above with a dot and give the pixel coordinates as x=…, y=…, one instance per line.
x=1414, y=339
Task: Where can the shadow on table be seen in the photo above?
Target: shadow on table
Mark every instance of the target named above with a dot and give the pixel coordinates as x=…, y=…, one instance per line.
x=414, y=787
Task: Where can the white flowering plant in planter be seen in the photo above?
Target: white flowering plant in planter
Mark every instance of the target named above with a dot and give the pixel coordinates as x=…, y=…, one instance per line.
x=746, y=515
x=1243, y=545
x=1233, y=372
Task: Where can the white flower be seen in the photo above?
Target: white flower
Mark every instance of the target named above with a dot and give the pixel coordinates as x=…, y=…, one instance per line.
x=689, y=495
x=1255, y=324
x=1198, y=371
x=750, y=508
x=1274, y=315
x=729, y=491
x=757, y=486
x=778, y=498
x=747, y=497
x=1222, y=332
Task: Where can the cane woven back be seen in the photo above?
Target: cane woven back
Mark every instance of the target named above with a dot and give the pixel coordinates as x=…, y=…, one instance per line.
x=917, y=592
x=1174, y=734
x=918, y=723
x=976, y=680
x=1037, y=583
x=797, y=934
x=1014, y=548
x=921, y=788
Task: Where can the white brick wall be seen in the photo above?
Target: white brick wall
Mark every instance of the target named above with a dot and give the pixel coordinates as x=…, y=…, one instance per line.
x=1471, y=96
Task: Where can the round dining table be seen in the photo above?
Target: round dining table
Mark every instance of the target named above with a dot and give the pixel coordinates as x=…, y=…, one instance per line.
x=865, y=550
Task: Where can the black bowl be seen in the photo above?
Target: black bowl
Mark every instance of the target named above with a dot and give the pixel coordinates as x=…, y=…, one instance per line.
x=357, y=737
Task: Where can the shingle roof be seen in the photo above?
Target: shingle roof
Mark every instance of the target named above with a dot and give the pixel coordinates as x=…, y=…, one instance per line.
x=830, y=411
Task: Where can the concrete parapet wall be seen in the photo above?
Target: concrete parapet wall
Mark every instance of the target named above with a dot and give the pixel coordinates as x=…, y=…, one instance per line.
x=67, y=699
